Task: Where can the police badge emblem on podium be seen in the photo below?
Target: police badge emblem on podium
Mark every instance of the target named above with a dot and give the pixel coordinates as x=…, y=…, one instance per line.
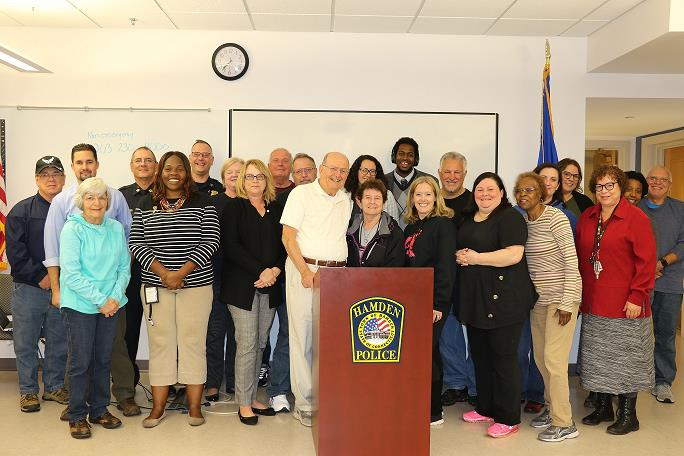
x=376, y=330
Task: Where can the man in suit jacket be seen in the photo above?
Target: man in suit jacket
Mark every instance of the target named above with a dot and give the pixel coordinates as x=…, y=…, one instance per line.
x=406, y=156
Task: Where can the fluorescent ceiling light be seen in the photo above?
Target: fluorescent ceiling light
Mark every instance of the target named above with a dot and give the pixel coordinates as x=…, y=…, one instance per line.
x=19, y=63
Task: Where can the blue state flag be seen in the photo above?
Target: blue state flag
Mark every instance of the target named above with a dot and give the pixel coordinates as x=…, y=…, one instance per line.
x=547, y=146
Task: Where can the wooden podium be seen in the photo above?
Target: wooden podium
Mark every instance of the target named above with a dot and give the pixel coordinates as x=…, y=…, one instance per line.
x=372, y=361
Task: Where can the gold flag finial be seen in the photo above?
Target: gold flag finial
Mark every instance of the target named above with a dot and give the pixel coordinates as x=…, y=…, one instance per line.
x=548, y=53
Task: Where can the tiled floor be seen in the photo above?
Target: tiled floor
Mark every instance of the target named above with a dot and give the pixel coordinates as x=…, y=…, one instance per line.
x=43, y=434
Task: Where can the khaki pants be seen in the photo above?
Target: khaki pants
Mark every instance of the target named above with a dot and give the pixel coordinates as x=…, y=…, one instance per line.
x=300, y=318
x=552, y=343
x=177, y=339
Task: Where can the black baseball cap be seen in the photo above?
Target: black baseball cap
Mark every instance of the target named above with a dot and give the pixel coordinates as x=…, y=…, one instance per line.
x=49, y=161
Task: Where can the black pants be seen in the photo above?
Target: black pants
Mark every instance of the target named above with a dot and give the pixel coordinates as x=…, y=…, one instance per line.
x=220, y=343
x=497, y=373
x=134, y=313
x=437, y=370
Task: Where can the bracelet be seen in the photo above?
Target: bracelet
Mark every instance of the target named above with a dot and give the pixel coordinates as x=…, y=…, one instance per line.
x=664, y=262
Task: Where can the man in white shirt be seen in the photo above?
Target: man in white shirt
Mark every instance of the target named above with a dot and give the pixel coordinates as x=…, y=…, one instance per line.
x=314, y=222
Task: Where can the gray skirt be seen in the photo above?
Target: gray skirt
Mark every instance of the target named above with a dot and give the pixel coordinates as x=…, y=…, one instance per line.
x=617, y=354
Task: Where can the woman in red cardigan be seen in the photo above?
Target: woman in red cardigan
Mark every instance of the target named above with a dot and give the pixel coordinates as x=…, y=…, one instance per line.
x=617, y=256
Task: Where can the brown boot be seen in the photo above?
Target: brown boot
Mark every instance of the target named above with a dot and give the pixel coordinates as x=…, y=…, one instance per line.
x=79, y=429
x=129, y=407
x=106, y=420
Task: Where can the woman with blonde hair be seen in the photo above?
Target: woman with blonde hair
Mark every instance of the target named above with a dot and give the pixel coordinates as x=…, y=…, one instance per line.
x=221, y=332
x=431, y=243
x=254, y=257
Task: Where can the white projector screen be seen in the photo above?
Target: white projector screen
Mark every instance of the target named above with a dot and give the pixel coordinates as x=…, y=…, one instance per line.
x=255, y=133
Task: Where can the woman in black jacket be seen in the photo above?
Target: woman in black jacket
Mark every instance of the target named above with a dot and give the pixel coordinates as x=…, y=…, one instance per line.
x=374, y=238
x=431, y=243
x=571, y=180
x=254, y=258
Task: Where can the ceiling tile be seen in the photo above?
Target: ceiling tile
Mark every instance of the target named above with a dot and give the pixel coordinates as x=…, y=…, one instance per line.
x=290, y=6
x=464, y=8
x=551, y=9
x=522, y=27
x=292, y=22
x=584, y=28
x=377, y=7
x=203, y=6
x=451, y=25
x=211, y=21
x=117, y=13
x=372, y=24
x=56, y=13
x=613, y=9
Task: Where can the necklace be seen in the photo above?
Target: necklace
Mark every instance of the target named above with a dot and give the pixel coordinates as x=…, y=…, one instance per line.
x=172, y=207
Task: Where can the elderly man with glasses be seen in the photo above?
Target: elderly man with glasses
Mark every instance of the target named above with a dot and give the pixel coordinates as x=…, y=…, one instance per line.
x=314, y=223
x=201, y=158
x=667, y=220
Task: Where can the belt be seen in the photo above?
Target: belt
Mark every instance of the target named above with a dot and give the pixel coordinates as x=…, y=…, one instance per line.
x=325, y=263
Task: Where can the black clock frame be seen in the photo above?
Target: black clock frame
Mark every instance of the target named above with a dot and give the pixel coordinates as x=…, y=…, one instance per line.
x=223, y=76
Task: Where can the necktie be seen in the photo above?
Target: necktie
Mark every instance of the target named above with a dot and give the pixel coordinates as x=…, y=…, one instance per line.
x=403, y=184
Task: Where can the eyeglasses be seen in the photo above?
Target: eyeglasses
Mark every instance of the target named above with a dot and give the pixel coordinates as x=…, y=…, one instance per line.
x=201, y=154
x=366, y=171
x=140, y=161
x=608, y=186
x=569, y=175
x=301, y=171
x=658, y=180
x=335, y=170
x=253, y=177
x=401, y=153
x=48, y=176
x=525, y=190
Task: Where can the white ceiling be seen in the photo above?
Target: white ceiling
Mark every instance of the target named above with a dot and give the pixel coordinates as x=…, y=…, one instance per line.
x=462, y=17
x=632, y=116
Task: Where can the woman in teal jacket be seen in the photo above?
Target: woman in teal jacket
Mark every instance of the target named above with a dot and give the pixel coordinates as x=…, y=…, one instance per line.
x=95, y=269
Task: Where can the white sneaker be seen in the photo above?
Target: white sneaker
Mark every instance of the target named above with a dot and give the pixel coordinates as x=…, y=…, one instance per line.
x=280, y=403
x=663, y=393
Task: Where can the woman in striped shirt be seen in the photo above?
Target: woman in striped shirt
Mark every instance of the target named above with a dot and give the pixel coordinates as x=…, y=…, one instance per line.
x=552, y=263
x=174, y=235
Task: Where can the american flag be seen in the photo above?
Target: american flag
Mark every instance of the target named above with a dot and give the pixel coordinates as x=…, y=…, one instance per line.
x=377, y=327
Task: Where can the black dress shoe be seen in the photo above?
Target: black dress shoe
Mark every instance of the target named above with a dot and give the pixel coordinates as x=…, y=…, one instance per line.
x=212, y=397
x=451, y=396
x=248, y=420
x=265, y=412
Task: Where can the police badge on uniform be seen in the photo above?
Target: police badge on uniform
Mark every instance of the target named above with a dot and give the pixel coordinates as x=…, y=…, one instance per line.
x=376, y=330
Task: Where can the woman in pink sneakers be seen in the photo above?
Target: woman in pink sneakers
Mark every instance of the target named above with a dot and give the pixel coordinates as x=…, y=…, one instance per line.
x=496, y=295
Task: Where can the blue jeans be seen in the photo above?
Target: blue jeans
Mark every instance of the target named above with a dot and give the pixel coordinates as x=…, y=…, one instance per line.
x=457, y=363
x=532, y=381
x=665, y=307
x=280, y=367
x=31, y=313
x=91, y=337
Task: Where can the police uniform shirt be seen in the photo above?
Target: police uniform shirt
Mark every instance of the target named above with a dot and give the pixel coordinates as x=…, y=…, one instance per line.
x=133, y=194
x=211, y=187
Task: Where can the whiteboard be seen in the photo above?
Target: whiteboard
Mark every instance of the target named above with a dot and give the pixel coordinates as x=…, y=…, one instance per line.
x=255, y=133
x=32, y=134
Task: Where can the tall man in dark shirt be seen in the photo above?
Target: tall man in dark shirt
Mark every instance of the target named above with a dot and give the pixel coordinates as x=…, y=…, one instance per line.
x=143, y=167
x=303, y=172
x=406, y=156
x=201, y=158
x=280, y=166
x=459, y=372
x=31, y=297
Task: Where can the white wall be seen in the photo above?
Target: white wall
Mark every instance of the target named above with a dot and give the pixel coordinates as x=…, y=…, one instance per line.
x=172, y=69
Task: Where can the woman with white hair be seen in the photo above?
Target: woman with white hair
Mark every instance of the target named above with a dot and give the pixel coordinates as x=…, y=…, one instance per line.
x=95, y=269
